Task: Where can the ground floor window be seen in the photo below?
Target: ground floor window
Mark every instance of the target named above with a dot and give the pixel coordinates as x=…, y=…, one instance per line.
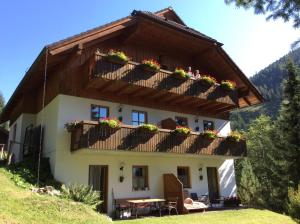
x=140, y=178
x=183, y=174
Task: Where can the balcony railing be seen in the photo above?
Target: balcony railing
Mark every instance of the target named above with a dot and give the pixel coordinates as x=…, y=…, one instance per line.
x=164, y=80
x=89, y=135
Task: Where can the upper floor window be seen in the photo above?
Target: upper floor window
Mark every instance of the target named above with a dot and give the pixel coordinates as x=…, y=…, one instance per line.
x=208, y=125
x=138, y=117
x=183, y=174
x=181, y=121
x=140, y=178
x=98, y=112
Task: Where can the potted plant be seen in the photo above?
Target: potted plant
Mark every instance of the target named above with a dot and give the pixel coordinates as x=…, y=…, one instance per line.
x=118, y=57
x=228, y=85
x=235, y=136
x=232, y=201
x=148, y=128
x=210, y=134
x=110, y=123
x=207, y=80
x=183, y=131
x=180, y=73
x=150, y=65
x=71, y=126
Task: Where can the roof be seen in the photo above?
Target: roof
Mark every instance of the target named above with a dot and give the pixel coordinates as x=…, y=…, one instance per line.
x=65, y=44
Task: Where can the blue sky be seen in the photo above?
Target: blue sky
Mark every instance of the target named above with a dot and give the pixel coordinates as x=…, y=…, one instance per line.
x=27, y=26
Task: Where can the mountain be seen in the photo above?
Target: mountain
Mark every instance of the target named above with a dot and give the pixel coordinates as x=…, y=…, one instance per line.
x=269, y=82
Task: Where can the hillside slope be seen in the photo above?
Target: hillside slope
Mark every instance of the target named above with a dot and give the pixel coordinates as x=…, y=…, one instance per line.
x=269, y=82
x=18, y=205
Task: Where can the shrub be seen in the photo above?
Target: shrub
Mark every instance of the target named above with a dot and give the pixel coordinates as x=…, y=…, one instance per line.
x=235, y=136
x=151, y=65
x=182, y=130
x=208, y=80
x=293, y=205
x=81, y=193
x=149, y=127
x=117, y=56
x=181, y=73
x=110, y=122
x=210, y=134
x=228, y=85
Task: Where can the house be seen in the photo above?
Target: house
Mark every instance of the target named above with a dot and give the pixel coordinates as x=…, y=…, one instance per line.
x=72, y=80
x=3, y=136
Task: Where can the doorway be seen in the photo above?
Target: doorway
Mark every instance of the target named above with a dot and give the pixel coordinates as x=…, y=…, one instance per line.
x=213, y=183
x=98, y=178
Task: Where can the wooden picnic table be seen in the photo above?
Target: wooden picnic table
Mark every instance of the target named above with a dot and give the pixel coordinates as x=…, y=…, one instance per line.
x=136, y=204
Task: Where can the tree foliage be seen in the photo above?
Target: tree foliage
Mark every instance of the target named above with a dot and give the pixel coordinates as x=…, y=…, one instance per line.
x=275, y=9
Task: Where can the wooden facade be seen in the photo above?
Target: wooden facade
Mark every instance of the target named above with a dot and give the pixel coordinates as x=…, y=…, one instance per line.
x=89, y=135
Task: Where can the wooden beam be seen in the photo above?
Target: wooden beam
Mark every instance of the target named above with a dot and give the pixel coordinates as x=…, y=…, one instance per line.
x=105, y=87
x=247, y=101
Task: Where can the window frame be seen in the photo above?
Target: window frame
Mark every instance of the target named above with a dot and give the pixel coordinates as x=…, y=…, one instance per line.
x=188, y=172
x=146, y=177
x=207, y=121
x=99, y=106
x=184, y=118
x=138, y=121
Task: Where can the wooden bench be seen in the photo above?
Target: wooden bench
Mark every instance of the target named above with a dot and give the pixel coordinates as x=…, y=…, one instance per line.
x=122, y=205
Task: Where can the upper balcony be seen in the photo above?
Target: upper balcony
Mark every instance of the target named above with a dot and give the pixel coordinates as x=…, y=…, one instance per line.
x=90, y=135
x=129, y=83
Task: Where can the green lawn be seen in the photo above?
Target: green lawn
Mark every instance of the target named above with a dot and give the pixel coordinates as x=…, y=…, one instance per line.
x=245, y=216
x=18, y=205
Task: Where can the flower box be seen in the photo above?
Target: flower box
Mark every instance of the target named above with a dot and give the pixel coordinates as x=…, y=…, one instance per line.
x=118, y=57
x=228, y=85
x=148, y=129
x=110, y=123
x=207, y=80
x=181, y=74
x=150, y=65
x=182, y=131
x=235, y=136
x=210, y=134
x=72, y=126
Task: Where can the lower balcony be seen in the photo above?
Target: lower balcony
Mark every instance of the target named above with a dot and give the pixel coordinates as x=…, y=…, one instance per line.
x=89, y=135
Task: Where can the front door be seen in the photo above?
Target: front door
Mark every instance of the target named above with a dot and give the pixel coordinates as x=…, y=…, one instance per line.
x=213, y=183
x=98, y=178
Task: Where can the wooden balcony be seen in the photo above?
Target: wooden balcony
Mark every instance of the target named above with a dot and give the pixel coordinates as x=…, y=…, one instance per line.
x=158, y=88
x=89, y=135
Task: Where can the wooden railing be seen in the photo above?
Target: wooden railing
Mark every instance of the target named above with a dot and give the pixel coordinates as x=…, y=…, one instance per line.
x=163, y=80
x=173, y=189
x=89, y=135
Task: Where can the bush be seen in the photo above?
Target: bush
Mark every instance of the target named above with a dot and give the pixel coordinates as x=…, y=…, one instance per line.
x=293, y=205
x=81, y=193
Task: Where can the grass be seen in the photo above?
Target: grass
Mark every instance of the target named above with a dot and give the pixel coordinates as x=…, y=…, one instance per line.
x=245, y=216
x=18, y=205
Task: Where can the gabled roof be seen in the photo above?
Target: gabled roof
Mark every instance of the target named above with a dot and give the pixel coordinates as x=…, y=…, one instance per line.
x=166, y=17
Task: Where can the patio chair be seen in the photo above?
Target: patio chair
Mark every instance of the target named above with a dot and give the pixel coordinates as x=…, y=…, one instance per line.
x=204, y=198
x=170, y=205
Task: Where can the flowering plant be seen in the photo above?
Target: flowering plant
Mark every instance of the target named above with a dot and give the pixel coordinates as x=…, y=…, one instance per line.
x=151, y=65
x=210, y=134
x=182, y=130
x=181, y=73
x=235, y=136
x=110, y=122
x=208, y=80
x=117, y=56
x=228, y=85
x=149, y=127
x=70, y=126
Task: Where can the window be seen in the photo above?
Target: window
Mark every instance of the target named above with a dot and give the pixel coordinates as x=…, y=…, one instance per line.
x=138, y=117
x=140, y=178
x=208, y=125
x=181, y=121
x=98, y=112
x=183, y=174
